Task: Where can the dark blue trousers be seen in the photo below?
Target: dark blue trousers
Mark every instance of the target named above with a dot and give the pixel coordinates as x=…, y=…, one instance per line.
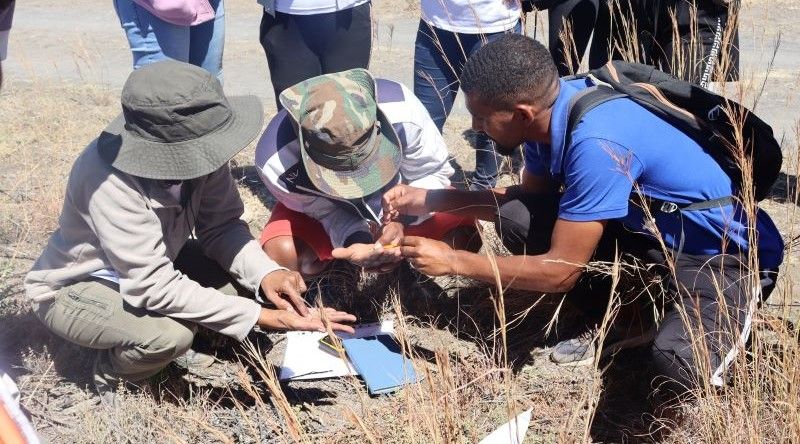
x=439, y=58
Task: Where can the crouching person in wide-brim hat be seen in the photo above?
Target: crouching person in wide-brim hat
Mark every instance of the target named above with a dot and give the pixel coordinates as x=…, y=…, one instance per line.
x=150, y=242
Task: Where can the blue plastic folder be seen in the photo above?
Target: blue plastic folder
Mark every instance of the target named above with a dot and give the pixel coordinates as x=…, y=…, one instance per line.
x=380, y=362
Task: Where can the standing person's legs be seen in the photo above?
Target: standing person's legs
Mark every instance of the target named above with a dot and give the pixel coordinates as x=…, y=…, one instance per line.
x=349, y=43
x=617, y=32
x=289, y=56
x=487, y=159
x=207, y=41
x=438, y=60
x=700, y=45
x=150, y=38
x=599, y=50
x=708, y=323
x=581, y=16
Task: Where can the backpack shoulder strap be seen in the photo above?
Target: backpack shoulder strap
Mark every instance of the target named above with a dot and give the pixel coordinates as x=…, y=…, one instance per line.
x=586, y=100
x=665, y=206
x=582, y=103
x=591, y=97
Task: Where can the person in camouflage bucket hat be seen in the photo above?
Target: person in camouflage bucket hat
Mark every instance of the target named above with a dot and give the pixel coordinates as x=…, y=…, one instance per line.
x=349, y=148
x=340, y=142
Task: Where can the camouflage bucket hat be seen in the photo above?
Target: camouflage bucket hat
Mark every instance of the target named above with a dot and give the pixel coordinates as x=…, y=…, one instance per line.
x=349, y=148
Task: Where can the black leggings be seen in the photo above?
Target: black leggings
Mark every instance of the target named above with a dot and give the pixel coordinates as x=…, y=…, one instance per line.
x=705, y=37
x=644, y=29
x=299, y=47
x=582, y=16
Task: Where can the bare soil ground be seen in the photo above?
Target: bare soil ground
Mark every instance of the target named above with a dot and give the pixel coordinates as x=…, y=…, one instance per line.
x=66, y=67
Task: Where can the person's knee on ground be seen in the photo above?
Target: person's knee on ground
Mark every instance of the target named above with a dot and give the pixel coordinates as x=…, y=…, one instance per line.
x=464, y=237
x=513, y=225
x=672, y=374
x=139, y=361
x=295, y=255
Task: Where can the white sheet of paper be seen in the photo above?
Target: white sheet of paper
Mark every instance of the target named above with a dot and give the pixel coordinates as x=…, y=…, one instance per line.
x=306, y=359
x=512, y=432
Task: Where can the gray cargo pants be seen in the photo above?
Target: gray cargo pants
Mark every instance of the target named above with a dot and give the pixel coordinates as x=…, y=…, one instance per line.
x=132, y=343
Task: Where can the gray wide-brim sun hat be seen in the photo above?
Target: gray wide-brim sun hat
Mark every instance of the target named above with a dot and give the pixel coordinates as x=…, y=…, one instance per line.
x=177, y=124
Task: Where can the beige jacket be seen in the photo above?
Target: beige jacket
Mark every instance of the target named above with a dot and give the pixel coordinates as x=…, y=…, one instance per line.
x=111, y=220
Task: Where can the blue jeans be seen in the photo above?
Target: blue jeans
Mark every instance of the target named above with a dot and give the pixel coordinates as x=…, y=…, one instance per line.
x=439, y=58
x=152, y=39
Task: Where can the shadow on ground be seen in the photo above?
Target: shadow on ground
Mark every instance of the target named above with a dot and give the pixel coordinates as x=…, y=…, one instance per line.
x=624, y=412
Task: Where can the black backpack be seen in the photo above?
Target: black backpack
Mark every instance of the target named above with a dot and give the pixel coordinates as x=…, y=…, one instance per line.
x=706, y=117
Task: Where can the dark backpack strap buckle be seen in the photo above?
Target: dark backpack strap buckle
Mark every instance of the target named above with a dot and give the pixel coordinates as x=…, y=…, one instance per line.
x=715, y=113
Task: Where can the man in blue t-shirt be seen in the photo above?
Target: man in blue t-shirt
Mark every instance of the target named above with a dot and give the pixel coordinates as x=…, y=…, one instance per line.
x=589, y=200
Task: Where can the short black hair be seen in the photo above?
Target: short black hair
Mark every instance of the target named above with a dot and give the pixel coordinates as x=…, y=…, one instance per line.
x=510, y=69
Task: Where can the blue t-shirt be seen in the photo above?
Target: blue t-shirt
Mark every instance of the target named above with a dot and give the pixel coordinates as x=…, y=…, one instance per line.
x=619, y=148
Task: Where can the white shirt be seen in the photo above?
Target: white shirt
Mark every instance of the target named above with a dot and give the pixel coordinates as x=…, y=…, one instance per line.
x=472, y=16
x=308, y=7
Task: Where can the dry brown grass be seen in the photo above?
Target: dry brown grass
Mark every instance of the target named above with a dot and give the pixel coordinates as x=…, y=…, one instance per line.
x=482, y=352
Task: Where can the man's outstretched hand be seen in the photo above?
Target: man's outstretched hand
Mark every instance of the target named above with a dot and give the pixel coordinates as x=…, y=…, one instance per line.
x=314, y=321
x=404, y=199
x=428, y=256
x=370, y=256
x=284, y=288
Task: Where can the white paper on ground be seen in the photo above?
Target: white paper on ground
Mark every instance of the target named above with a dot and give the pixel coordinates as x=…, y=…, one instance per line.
x=512, y=432
x=306, y=359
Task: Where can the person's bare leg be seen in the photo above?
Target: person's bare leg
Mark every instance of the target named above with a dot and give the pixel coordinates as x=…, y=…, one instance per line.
x=464, y=238
x=295, y=255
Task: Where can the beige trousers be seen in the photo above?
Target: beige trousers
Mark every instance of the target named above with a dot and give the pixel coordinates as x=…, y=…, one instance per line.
x=132, y=343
